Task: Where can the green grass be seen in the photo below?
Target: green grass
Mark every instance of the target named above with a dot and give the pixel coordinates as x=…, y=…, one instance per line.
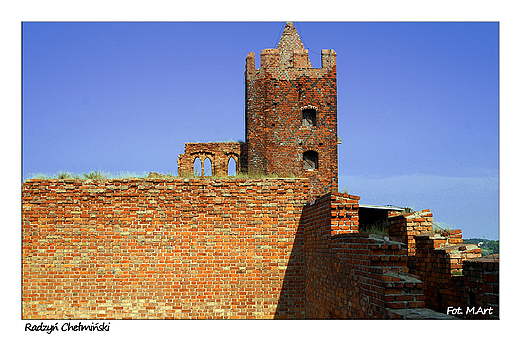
x=380, y=228
x=93, y=175
x=101, y=175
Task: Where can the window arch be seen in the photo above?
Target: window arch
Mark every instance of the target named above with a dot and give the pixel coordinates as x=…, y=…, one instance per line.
x=208, y=169
x=197, y=167
x=232, y=167
x=310, y=160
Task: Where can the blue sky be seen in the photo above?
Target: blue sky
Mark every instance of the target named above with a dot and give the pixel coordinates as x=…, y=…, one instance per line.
x=418, y=104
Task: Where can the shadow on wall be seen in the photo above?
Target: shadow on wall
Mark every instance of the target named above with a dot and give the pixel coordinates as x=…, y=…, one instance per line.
x=291, y=303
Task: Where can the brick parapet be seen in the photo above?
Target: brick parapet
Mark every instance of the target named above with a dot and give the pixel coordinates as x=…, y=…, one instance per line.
x=405, y=227
x=453, y=274
x=356, y=276
x=351, y=274
x=163, y=248
x=442, y=252
x=481, y=282
x=344, y=209
x=222, y=248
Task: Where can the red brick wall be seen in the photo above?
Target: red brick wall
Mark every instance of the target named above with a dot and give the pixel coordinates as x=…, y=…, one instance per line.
x=404, y=227
x=351, y=275
x=481, y=280
x=207, y=248
x=163, y=248
x=276, y=94
x=456, y=276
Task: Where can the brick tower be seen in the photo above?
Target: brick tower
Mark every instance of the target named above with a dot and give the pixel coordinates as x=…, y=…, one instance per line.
x=291, y=114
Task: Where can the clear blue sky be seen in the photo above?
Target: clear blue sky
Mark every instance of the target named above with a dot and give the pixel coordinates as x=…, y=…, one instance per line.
x=418, y=104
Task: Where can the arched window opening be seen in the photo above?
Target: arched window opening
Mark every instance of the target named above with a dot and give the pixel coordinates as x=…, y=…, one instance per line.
x=208, y=171
x=197, y=167
x=310, y=160
x=232, y=167
x=309, y=117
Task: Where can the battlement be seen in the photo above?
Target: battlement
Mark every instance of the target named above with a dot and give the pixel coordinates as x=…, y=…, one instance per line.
x=297, y=63
x=299, y=59
x=448, y=268
x=328, y=59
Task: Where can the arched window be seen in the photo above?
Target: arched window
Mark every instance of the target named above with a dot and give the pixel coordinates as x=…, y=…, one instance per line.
x=208, y=171
x=197, y=167
x=232, y=167
x=310, y=160
x=309, y=117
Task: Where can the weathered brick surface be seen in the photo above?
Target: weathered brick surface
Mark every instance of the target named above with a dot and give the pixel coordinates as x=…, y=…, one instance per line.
x=481, y=282
x=222, y=248
x=276, y=96
x=219, y=153
x=405, y=227
x=235, y=249
x=163, y=248
x=350, y=275
x=455, y=275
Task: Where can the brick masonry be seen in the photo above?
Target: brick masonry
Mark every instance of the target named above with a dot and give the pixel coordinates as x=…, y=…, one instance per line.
x=405, y=227
x=278, y=136
x=163, y=248
x=454, y=274
x=352, y=275
x=209, y=248
x=276, y=96
x=219, y=154
x=234, y=249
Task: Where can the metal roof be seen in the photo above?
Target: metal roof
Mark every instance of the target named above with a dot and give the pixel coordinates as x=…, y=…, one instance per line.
x=382, y=207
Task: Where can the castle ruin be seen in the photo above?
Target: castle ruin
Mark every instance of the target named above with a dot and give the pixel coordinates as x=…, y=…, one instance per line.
x=247, y=248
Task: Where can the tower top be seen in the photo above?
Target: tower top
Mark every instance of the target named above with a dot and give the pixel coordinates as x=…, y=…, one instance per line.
x=291, y=49
x=290, y=39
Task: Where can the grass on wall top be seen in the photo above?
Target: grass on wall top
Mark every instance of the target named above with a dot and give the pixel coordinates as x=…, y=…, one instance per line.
x=101, y=175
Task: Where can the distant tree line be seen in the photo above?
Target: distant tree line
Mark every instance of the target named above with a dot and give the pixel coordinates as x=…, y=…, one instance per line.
x=488, y=246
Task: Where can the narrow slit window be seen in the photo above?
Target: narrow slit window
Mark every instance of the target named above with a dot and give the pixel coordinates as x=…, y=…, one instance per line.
x=208, y=170
x=197, y=167
x=310, y=160
x=309, y=117
x=232, y=167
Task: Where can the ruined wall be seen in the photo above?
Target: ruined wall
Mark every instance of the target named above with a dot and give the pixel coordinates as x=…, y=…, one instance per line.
x=219, y=153
x=454, y=274
x=210, y=248
x=404, y=227
x=481, y=283
x=436, y=261
x=204, y=248
x=163, y=248
x=353, y=275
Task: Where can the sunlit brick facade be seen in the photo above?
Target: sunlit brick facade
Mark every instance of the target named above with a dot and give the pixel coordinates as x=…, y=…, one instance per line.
x=291, y=118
